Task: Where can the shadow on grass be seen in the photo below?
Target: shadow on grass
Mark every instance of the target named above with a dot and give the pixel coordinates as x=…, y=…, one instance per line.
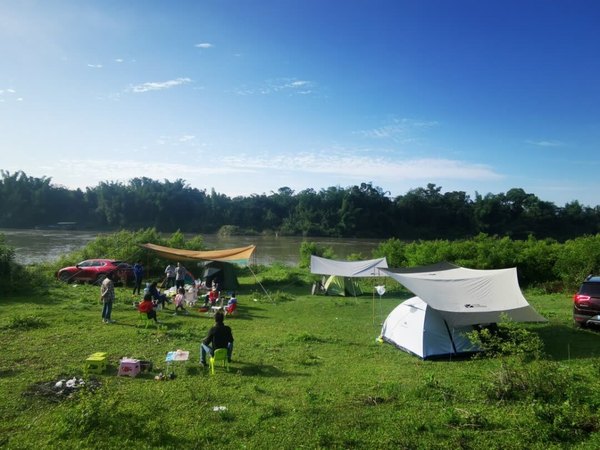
x=563, y=342
x=5, y=373
x=262, y=370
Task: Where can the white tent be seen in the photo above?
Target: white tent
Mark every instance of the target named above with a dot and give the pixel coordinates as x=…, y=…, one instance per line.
x=368, y=268
x=461, y=297
x=342, y=273
x=418, y=329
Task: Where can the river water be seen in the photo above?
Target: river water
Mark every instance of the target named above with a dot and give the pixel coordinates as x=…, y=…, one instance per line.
x=33, y=246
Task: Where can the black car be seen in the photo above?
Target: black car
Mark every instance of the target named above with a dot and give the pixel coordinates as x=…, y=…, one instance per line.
x=586, y=303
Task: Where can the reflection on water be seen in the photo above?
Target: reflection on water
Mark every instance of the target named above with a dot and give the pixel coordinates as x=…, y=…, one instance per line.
x=33, y=246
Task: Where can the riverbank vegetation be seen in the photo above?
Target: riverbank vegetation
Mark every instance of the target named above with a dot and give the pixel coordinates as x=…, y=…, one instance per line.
x=363, y=210
x=544, y=264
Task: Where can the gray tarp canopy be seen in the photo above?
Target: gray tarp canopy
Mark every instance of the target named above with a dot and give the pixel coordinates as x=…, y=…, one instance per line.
x=468, y=296
x=368, y=268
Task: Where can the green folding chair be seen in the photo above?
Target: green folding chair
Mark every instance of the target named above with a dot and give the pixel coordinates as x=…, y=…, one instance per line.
x=219, y=356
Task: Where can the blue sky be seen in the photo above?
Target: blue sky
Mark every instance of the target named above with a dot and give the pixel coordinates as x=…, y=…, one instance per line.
x=248, y=96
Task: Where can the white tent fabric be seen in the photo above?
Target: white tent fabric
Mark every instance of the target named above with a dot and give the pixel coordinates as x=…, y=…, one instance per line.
x=467, y=296
x=416, y=328
x=368, y=268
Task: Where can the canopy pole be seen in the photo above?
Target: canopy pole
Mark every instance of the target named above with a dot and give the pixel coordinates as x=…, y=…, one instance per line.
x=259, y=283
x=373, y=302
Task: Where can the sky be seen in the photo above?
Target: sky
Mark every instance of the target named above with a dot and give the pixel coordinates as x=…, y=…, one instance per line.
x=245, y=97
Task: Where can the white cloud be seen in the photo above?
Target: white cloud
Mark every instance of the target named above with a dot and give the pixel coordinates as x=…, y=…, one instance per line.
x=204, y=45
x=9, y=95
x=297, y=169
x=95, y=66
x=174, y=141
x=159, y=85
x=365, y=167
x=118, y=60
x=398, y=130
x=290, y=86
x=186, y=138
x=545, y=143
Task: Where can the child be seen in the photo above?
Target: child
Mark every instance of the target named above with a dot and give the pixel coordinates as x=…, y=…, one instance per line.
x=212, y=297
x=147, y=306
x=231, y=304
x=179, y=300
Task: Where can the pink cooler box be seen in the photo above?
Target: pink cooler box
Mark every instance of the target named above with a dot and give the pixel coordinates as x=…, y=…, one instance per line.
x=129, y=367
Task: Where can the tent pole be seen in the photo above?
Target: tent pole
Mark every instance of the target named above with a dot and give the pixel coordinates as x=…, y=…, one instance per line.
x=450, y=335
x=260, y=284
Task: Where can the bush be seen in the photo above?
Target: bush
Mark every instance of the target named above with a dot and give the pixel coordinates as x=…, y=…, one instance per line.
x=577, y=259
x=23, y=323
x=14, y=278
x=312, y=248
x=507, y=339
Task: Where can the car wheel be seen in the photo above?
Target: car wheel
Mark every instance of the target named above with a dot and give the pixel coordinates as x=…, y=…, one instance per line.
x=65, y=276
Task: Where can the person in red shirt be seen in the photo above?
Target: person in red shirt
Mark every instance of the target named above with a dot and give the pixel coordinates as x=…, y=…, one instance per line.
x=147, y=306
x=212, y=297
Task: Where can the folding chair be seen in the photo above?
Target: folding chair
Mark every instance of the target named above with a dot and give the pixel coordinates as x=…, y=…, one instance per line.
x=143, y=320
x=219, y=356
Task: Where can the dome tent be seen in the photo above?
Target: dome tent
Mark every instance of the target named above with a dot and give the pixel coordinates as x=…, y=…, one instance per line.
x=456, y=299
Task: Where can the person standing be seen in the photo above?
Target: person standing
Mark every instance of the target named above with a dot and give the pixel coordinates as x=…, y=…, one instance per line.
x=138, y=275
x=107, y=297
x=180, y=272
x=219, y=336
x=170, y=273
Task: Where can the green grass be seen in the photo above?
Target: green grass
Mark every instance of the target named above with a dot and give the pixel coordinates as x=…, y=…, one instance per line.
x=307, y=372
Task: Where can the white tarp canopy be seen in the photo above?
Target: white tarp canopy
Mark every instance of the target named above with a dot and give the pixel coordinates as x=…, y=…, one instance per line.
x=416, y=328
x=369, y=268
x=468, y=296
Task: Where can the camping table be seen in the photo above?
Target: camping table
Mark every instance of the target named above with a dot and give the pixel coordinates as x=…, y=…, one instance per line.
x=176, y=356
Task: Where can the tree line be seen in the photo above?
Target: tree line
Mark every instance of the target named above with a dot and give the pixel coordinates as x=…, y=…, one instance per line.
x=363, y=210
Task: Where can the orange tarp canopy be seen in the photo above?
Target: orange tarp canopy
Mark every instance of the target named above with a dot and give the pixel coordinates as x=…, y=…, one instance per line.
x=239, y=255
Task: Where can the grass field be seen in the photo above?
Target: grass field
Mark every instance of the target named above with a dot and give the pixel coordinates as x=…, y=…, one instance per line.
x=307, y=372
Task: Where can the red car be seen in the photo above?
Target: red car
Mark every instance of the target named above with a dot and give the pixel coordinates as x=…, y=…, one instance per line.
x=95, y=270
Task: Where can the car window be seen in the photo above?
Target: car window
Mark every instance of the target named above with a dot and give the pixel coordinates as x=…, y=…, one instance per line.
x=85, y=264
x=592, y=289
x=98, y=263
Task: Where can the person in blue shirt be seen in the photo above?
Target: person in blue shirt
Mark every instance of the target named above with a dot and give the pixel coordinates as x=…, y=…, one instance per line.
x=138, y=275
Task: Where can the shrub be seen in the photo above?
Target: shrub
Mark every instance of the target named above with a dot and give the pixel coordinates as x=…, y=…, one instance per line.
x=25, y=323
x=507, y=339
x=14, y=278
x=312, y=248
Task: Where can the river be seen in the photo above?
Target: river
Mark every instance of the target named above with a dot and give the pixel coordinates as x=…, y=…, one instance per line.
x=33, y=246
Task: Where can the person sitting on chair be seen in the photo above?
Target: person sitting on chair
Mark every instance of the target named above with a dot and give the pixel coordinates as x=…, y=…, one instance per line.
x=147, y=306
x=231, y=304
x=219, y=336
x=212, y=297
x=156, y=295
